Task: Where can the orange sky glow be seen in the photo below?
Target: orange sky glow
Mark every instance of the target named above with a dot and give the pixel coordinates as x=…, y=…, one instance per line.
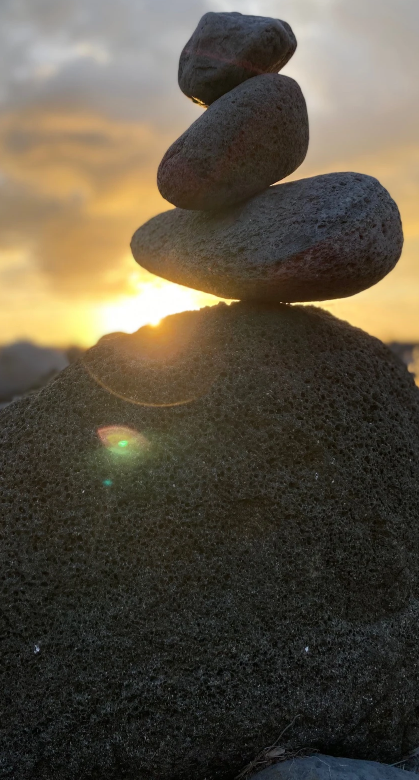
x=87, y=110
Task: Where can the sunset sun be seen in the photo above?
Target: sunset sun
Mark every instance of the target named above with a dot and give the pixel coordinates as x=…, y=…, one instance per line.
x=152, y=302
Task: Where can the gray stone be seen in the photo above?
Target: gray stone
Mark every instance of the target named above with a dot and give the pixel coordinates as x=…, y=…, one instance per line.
x=321, y=767
x=412, y=763
x=229, y=48
x=315, y=239
x=250, y=138
x=208, y=528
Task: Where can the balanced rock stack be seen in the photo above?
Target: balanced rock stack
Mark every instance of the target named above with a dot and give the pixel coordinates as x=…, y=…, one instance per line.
x=233, y=234
x=210, y=528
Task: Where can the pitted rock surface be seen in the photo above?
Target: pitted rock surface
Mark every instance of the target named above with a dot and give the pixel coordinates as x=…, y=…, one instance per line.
x=180, y=580
x=250, y=138
x=229, y=48
x=315, y=239
x=330, y=768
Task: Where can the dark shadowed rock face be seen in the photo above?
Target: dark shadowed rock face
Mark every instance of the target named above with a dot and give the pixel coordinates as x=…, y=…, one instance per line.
x=229, y=48
x=250, y=138
x=329, y=236
x=330, y=768
x=185, y=571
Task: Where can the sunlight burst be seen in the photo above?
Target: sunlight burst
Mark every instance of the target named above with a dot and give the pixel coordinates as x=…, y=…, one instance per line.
x=153, y=302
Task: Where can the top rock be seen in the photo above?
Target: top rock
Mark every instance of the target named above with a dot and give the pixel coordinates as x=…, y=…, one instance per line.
x=229, y=48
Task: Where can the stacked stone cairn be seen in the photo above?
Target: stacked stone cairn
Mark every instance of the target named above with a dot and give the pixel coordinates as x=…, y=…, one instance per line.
x=235, y=235
x=210, y=529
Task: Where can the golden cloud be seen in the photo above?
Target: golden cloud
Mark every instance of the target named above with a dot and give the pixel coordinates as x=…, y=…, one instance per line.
x=78, y=185
x=81, y=136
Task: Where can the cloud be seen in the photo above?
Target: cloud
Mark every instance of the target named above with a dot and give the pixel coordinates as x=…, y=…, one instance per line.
x=75, y=188
x=86, y=117
x=89, y=103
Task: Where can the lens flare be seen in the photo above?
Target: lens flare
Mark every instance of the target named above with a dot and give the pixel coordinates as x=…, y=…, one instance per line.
x=122, y=441
x=172, y=365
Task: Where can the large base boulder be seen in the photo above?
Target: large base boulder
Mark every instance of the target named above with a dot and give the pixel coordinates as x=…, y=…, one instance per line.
x=209, y=532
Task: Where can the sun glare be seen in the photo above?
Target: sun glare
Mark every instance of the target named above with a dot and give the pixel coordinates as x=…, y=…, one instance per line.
x=153, y=302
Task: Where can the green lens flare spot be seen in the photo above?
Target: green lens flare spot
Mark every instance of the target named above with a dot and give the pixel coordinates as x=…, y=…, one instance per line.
x=107, y=482
x=123, y=442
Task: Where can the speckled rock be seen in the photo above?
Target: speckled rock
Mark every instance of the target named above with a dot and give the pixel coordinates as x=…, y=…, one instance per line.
x=208, y=528
x=229, y=48
x=250, y=138
x=315, y=239
x=320, y=767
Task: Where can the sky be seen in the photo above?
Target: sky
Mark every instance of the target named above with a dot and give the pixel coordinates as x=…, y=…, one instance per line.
x=89, y=103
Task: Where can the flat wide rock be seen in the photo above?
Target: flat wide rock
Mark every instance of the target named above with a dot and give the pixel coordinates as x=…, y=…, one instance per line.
x=229, y=48
x=320, y=767
x=209, y=528
x=315, y=239
x=251, y=137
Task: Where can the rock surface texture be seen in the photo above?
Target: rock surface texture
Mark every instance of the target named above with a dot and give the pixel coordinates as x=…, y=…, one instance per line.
x=209, y=528
x=326, y=237
x=229, y=48
x=250, y=138
x=320, y=767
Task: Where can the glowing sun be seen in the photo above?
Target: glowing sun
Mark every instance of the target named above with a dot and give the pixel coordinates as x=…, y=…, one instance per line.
x=154, y=301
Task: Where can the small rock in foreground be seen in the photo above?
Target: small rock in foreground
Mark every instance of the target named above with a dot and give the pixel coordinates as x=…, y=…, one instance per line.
x=327, y=237
x=250, y=138
x=320, y=767
x=229, y=48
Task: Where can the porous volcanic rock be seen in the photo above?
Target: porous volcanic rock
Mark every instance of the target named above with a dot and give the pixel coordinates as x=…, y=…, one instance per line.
x=229, y=48
x=250, y=138
x=326, y=237
x=330, y=768
x=209, y=528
